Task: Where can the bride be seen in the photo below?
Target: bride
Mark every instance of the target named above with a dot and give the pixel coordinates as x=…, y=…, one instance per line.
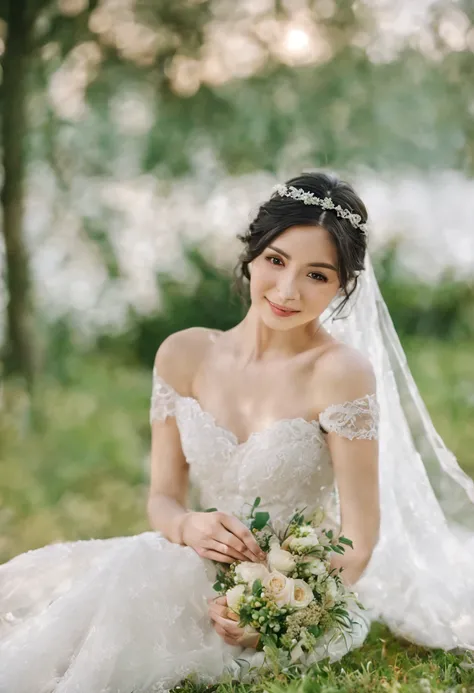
x=307, y=402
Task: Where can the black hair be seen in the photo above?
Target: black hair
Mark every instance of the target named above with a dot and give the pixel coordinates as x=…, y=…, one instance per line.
x=280, y=213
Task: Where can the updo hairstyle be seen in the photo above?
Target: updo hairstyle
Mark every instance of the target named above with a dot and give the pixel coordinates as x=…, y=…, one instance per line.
x=280, y=213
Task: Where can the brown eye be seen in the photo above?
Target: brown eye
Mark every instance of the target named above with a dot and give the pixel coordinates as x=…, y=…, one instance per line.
x=272, y=257
x=317, y=276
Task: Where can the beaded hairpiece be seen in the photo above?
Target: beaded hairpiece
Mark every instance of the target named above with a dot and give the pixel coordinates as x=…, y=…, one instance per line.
x=309, y=198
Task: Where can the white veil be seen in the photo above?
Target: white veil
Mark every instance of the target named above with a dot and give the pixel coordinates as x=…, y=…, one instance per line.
x=420, y=579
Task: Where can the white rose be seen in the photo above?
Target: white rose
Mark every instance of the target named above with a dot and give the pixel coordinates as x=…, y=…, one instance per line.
x=279, y=588
x=303, y=542
x=233, y=597
x=315, y=565
x=302, y=594
x=249, y=572
x=331, y=592
x=280, y=560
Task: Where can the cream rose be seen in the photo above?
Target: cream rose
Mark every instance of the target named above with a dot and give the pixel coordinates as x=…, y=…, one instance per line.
x=233, y=597
x=279, y=587
x=302, y=594
x=249, y=572
x=280, y=560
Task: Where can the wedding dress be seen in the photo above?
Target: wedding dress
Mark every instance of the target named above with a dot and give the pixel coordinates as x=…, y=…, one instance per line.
x=129, y=614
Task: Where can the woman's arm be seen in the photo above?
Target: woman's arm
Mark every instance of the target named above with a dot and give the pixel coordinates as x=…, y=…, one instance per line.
x=356, y=471
x=169, y=479
x=215, y=535
x=348, y=377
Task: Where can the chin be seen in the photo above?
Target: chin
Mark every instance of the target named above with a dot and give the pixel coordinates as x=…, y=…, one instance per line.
x=281, y=324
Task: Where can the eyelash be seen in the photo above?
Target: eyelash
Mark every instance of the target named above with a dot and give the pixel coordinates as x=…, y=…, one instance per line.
x=269, y=258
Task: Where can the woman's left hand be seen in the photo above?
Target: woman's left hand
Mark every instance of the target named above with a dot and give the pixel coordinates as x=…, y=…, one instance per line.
x=227, y=628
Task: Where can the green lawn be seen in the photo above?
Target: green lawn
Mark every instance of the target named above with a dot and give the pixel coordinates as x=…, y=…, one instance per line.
x=384, y=663
x=77, y=467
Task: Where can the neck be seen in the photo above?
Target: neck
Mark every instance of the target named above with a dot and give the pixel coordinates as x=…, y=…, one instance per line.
x=257, y=342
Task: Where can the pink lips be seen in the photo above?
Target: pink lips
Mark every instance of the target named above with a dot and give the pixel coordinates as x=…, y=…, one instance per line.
x=281, y=312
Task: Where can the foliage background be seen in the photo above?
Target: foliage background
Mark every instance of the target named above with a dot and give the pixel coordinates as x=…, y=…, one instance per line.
x=151, y=131
x=137, y=139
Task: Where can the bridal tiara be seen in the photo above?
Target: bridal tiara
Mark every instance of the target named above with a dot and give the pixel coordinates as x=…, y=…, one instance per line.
x=326, y=203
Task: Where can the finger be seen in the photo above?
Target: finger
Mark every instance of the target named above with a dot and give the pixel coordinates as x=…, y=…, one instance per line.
x=217, y=610
x=227, y=550
x=249, y=640
x=218, y=600
x=223, y=612
x=220, y=630
x=231, y=641
x=229, y=626
x=214, y=556
x=235, y=543
x=227, y=638
x=241, y=531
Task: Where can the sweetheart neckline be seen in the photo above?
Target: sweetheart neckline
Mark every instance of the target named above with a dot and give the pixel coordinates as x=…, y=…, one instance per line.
x=314, y=423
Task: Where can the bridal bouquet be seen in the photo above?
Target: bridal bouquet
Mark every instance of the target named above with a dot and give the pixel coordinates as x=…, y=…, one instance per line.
x=295, y=599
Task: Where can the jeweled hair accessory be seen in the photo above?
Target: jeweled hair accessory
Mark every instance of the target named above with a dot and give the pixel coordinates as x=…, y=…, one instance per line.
x=309, y=198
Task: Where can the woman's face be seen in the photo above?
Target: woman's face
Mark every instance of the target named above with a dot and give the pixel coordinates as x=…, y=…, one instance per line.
x=297, y=272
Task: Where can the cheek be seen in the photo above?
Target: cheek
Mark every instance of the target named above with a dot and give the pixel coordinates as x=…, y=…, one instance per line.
x=261, y=277
x=318, y=298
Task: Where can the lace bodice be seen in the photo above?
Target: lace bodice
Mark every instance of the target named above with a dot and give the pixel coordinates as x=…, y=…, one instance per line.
x=287, y=464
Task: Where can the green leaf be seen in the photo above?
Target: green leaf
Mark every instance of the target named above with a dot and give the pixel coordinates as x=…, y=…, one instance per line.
x=314, y=630
x=217, y=587
x=257, y=502
x=257, y=587
x=345, y=540
x=210, y=510
x=337, y=549
x=260, y=520
x=329, y=534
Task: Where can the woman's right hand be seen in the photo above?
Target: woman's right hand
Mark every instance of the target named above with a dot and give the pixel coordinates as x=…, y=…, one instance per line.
x=220, y=537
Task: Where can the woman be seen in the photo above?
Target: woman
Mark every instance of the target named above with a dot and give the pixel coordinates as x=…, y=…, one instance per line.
x=285, y=407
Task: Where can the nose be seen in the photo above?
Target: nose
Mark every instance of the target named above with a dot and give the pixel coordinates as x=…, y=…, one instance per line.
x=287, y=288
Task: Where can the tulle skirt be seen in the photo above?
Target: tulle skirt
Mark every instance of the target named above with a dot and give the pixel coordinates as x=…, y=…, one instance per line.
x=121, y=615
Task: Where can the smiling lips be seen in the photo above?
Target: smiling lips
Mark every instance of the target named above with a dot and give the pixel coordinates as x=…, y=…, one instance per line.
x=280, y=311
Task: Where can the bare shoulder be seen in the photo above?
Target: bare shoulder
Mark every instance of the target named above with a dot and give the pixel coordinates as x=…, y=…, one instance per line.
x=180, y=355
x=343, y=374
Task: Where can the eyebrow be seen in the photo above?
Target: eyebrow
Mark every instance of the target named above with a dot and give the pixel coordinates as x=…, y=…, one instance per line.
x=309, y=264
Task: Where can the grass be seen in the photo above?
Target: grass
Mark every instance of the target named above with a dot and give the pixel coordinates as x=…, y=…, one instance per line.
x=75, y=466
x=384, y=664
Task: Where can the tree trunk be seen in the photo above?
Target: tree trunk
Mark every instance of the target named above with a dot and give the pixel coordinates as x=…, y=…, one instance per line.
x=20, y=355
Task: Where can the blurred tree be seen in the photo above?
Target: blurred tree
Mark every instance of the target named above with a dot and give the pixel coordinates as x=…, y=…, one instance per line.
x=32, y=26
x=21, y=355
x=230, y=77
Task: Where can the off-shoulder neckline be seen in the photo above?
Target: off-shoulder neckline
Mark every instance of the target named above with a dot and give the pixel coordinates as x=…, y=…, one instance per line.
x=313, y=423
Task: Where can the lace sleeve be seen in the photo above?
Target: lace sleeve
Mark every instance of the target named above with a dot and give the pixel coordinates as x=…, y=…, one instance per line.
x=163, y=399
x=356, y=419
